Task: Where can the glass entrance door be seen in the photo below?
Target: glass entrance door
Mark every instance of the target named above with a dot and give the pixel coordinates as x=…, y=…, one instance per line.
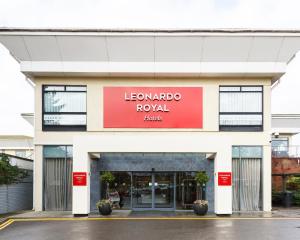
x=142, y=190
x=153, y=190
x=164, y=190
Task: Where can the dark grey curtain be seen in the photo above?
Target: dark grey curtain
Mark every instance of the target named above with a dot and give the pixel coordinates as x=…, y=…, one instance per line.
x=246, y=184
x=57, y=180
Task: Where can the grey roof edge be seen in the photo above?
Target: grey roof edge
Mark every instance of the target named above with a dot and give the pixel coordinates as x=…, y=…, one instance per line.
x=286, y=115
x=152, y=30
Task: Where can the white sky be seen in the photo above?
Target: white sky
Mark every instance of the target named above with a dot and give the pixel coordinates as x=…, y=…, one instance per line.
x=16, y=95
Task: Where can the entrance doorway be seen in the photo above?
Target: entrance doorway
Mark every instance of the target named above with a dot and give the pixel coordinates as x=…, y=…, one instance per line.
x=153, y=190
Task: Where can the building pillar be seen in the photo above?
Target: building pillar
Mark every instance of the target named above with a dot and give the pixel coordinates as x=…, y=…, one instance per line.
x=223, y=194
x=81, y=194
x=267, y=179
x=38, y=178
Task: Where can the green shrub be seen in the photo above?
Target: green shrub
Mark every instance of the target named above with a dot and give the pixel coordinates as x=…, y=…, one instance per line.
x=10, y=174
x=201, y=178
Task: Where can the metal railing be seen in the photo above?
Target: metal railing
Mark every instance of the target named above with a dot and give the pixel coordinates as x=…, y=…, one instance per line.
x=286, y=152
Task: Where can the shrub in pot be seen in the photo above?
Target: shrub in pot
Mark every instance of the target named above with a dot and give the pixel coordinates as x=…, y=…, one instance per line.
x=200, y=206
x=104, y=206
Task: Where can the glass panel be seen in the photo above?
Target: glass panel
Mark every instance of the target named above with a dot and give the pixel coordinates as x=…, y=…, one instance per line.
x=54, y=88
x=142, y=190
x=75, y=88
x=235, y=152
x=20, y=153
x=247, y=152
x=253, y=89
x=241, y=102
x=250, y=184
x=65, y=102
x=120, y=191
x=164, y=190
x=237, y=120
x=251, y=152
x=235, y=184
x=54, y=152
x=64, y=119
x=230, y=89
x=186, y=190
x=280, y=142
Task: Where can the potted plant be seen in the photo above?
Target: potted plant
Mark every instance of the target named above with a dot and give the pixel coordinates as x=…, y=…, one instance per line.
x=200, y=206
x=104, y=206
x=107, y=178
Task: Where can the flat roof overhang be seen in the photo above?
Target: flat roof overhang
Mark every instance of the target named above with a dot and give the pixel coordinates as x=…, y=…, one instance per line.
x=242, y=53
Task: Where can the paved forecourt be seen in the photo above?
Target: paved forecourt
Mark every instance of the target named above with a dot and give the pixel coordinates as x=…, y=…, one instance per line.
x=151, y=228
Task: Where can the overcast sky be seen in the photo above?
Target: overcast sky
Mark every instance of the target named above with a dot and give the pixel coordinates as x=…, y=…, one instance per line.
x=16, y=95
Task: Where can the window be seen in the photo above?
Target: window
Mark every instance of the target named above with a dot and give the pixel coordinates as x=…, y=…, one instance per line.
x=58, y=178
x=64, y=108
x=246, y=178
x=20, y=153
x=241, y=108
x=280, y=147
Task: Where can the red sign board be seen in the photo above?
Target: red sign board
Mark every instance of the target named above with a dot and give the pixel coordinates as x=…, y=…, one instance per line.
x=153, y=107
x=79, y=178
x=224, y=178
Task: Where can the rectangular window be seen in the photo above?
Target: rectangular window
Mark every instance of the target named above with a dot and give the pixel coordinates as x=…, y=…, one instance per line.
x=280, y=147
x=246, y=178
x=58, y=178
x=64, y=108
x=241, y=108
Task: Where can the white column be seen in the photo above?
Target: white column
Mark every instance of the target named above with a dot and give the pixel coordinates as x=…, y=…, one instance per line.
x=38, y=179
x=223, y=194
x=267, y=179
x=81, y=194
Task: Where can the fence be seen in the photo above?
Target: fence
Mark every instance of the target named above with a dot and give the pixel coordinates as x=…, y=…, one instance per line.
x=16, y=197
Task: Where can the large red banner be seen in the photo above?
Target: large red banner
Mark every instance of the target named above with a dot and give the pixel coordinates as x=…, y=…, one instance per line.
x=153, y=107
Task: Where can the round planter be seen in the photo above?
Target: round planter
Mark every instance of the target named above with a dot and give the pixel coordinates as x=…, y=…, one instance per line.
x=200, y=209
x=105, y=209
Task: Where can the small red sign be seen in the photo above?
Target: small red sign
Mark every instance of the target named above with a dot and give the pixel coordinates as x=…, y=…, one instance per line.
x=224, y=178
x=153, y=107
x=79, y=178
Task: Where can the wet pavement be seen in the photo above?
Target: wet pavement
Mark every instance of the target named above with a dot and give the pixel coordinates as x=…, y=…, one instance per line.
x=142, y=229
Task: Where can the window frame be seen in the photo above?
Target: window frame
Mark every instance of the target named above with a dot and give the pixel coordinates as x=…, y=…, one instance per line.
x=75, y=127
x=242, y=128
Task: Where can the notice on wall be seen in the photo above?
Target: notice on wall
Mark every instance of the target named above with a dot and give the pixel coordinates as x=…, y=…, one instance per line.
x=153, y=107
x=224, y=178
x=79, y=178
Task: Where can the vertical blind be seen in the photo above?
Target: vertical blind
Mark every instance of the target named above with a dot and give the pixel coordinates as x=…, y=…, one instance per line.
x=57, y=178
x=241, y=106
x=246, y=182
x=64, y=106
x=65, y=102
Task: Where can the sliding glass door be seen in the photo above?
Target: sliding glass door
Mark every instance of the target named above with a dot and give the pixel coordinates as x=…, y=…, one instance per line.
x=153, y=190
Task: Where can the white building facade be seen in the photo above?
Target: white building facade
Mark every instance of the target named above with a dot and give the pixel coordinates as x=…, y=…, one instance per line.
x=153, y=107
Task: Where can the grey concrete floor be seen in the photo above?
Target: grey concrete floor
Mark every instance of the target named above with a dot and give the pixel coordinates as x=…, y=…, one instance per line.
x=133, y=229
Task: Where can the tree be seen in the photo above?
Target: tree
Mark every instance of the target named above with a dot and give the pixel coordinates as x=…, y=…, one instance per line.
x=201, y=179
x=108, y=178
x=10, y=174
